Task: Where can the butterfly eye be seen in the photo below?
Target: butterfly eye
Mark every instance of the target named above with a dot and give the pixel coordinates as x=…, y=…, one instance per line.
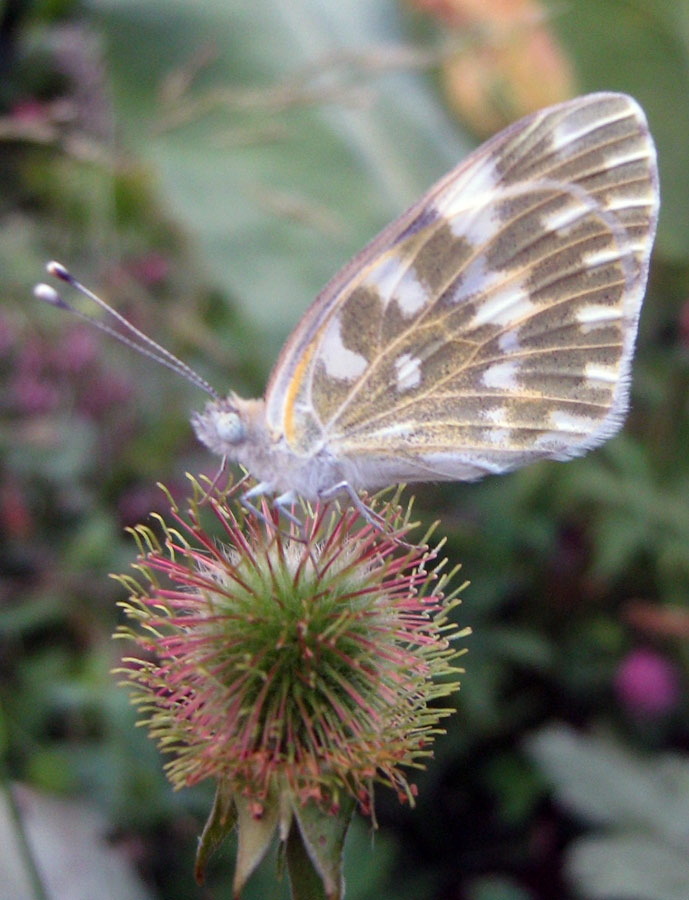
x=230, y=428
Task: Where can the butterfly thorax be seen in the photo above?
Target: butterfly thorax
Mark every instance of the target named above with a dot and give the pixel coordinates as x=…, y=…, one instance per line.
x=237, y=429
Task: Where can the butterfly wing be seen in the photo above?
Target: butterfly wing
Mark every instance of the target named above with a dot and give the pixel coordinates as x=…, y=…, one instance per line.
x=494, y=322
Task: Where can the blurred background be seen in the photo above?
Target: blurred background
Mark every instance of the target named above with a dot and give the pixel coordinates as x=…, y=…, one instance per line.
x=208, y=167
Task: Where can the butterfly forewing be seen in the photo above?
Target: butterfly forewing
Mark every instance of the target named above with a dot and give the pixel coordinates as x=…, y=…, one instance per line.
x=494, y=322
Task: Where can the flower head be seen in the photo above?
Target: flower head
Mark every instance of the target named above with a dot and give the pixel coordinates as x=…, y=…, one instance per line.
x=297, y=669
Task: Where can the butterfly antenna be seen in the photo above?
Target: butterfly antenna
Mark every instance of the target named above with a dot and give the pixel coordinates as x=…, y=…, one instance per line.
x=141, y=342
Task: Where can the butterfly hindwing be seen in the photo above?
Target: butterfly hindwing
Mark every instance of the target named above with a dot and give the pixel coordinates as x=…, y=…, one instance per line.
x=494, y=322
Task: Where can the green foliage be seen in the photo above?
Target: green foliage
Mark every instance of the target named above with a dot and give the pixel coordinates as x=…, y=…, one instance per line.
x=640, y=803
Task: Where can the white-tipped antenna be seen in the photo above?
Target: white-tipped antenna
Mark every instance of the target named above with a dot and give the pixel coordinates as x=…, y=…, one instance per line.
x=142, y=343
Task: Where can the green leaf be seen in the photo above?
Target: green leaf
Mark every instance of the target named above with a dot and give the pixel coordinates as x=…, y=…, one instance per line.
x=66, y=842
x=255, y=835
x=607, y=784
x=305, y=883
x=368, y=865
x=634, y=866
x=221, y=821
x=618, y=539
x=645, y=53
x=495, y=888
x=91, y=544
x=525, y=648
x=324, y=835
x=277, y=188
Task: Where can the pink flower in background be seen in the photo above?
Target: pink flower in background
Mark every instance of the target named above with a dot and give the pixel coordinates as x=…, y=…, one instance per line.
x=16, y=520
x=137, y=502
x=647, y=684
x=77, y=350
x=32, y=395
x=105, y=393
x=28, y=109
x=150, y=269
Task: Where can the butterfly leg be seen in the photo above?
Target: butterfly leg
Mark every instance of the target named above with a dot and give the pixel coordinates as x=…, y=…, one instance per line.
x=369, y=515
x=258, y=490
x=282, y=503
x=344, y=487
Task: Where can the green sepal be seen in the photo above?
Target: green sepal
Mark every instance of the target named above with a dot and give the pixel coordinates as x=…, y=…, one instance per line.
x=254, y=837
x=304, y=881
x=222, y=819
x=322, y=839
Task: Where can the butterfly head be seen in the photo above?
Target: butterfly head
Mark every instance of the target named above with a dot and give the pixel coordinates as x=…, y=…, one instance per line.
x=230, y=426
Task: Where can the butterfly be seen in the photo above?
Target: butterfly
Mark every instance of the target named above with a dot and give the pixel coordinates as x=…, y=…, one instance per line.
x=491, y=325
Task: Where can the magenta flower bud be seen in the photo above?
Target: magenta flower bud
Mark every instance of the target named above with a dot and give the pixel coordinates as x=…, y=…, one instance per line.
x=647, y=684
